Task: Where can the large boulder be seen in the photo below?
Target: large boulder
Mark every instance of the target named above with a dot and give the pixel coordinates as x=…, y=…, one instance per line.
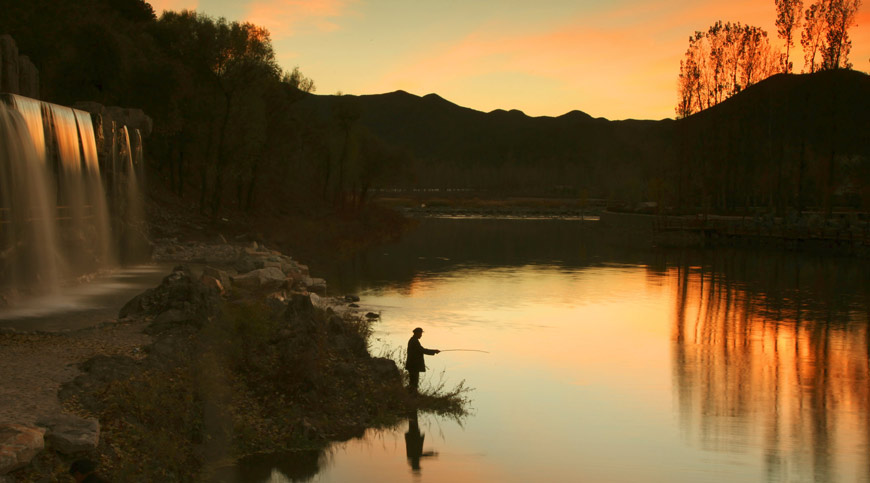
x=70, y=434
x=316, y=285
x=219, y=275
x=261, y=279
x=18, y=445
x=188, y=297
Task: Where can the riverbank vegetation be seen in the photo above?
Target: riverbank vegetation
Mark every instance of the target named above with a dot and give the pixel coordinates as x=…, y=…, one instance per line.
x=235, y=376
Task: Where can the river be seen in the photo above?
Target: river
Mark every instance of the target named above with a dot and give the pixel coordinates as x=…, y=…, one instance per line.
x=606, y=362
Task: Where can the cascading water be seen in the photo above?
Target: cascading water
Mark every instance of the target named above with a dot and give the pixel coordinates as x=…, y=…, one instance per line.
x=131, y=158
x=82, y=205
x=54, y=216
x=29, y=245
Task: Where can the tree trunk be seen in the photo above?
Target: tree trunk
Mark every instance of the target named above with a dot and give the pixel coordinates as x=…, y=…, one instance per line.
x=217, y=193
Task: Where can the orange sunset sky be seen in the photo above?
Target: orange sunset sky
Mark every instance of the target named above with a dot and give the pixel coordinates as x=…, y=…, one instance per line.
x=617, y=59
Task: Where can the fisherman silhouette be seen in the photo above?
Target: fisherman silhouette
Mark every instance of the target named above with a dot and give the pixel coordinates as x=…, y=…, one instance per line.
x=414, y=444
x=414, y=363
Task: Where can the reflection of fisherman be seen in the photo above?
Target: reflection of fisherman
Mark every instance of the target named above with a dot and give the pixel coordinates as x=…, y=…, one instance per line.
x=414, y=444
x=414, y=363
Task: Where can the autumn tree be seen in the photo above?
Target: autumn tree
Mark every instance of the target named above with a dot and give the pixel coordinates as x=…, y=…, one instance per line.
x=788, y=19
x=233, y=66
x=840, y=17
x=825, y=38
x=721, y=62
x=812, y=36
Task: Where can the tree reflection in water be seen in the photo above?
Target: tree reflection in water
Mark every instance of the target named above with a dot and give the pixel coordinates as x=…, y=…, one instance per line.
x=293, y=466
x=787, y=367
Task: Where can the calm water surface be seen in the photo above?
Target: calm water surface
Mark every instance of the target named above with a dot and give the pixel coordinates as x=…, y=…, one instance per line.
x=82, y=304
x=612, y=364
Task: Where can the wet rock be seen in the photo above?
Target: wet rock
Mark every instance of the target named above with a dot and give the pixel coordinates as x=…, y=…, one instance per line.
x=260, y=279
x=318, y=301
x=351, y=298
x=18, y=445
x=222, y=276
x=178, y=291
x=316, y=285
x=70, y=434
x=212, y=283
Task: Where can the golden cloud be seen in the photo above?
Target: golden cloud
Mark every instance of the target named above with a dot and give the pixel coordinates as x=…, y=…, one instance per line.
x=284, y=18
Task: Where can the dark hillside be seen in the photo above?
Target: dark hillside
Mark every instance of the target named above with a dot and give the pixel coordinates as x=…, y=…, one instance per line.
x=508, y=151
x=791, y=141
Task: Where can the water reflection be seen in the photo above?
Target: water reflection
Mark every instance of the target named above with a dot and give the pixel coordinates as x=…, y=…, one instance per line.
x=608, y=363
x=84, y=303
x=293, y=466
x=414, y=444
x=442, y=246
x=774, y=352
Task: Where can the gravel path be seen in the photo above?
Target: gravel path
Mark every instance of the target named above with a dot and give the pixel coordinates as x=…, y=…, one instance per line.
x=34, y=366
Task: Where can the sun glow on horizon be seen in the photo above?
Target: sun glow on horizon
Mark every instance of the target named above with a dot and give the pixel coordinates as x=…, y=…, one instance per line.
x=617, y=61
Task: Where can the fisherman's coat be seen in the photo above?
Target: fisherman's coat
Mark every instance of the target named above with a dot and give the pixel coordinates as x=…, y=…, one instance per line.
x=414, y=362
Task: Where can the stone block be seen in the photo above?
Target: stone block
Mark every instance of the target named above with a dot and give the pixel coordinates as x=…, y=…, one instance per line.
x=18, y=445
x=70, y=434
x=260, y=279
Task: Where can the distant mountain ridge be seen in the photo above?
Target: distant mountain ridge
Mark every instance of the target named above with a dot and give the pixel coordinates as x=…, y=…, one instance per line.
x=793, y=118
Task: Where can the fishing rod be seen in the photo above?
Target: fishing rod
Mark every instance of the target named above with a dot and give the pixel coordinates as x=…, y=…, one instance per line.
x=463, y=350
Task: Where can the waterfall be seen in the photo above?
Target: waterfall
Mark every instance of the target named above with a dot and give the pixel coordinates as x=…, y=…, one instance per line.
x=29, y=245
x=128, y=161
x=55, y=220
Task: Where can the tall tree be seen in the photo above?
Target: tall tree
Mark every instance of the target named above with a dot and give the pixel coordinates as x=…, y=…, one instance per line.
x=233, y=64
x=812, y=37
x=721, y=62
x=788, y=19
x=826, y=34
x=840, y=17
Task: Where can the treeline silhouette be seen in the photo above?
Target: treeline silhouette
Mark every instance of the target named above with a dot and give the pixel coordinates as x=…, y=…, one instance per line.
x=233, y=130
x=729, y=57
x=224, y=131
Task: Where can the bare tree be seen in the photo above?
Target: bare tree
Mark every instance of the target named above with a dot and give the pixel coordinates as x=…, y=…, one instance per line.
x=788, y=19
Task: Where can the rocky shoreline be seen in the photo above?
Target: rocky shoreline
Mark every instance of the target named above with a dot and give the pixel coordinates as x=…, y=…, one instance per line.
x=258, y=316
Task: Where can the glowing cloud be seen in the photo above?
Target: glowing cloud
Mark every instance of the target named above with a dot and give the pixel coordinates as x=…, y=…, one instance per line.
x=284, y=18
x=160, y=5
x=619, y=61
